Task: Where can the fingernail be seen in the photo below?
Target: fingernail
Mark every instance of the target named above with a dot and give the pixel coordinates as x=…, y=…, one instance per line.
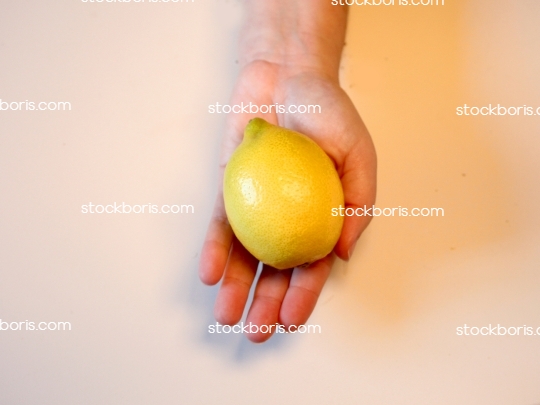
x=351, y=250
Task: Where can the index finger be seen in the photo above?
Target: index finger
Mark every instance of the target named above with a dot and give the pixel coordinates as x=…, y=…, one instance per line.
x=217, y=245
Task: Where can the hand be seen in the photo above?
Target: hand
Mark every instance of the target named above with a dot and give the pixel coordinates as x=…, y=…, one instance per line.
x=288, y=297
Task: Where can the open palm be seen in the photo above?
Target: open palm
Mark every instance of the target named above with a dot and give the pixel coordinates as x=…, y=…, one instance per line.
x=288, y=297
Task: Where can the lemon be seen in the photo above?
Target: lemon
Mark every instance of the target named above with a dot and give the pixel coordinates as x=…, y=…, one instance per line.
x=279, y=190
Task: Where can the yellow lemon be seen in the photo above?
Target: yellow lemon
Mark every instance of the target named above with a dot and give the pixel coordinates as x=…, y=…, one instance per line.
x=279, y=191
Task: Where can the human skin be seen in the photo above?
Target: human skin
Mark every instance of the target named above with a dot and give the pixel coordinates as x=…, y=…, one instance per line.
x=290, y=53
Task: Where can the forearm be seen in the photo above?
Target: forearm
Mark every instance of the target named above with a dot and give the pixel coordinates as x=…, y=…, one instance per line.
x=297, y=35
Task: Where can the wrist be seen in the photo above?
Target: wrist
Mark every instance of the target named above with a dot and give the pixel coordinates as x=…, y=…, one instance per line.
x=297, y=36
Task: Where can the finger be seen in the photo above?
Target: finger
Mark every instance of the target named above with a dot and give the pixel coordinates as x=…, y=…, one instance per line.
x=269, y=293
x=359, y=187
x=304, y=289
x=217, y=245
x=234, y=291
